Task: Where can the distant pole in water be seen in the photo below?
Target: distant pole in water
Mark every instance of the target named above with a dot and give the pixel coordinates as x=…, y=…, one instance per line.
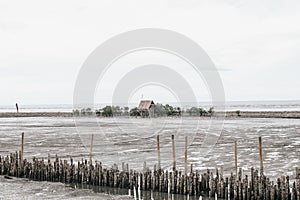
x=22, y=147
x=261, y=156
x=185, y=155
x=235, y=158
x=173, y=153
x=158, y=152
x=17, y=107
x=91, y=149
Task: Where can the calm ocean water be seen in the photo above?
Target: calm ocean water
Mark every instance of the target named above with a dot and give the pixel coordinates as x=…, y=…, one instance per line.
x=230, y=106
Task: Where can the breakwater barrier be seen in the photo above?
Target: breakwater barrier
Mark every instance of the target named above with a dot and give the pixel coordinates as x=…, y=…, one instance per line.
x=189, y=182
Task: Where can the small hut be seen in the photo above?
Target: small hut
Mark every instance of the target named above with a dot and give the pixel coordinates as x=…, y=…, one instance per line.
x=146, y=108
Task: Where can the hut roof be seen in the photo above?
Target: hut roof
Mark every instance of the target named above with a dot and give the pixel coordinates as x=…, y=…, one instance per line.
x=145, y=104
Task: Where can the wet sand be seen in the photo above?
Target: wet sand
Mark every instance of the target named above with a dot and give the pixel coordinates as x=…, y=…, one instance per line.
x=17, y=188
x=132, y=141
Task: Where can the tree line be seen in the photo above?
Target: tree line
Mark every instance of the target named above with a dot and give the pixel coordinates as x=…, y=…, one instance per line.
x=158, y=110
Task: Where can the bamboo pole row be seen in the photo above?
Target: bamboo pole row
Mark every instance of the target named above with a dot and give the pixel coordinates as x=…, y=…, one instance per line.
x=255, y=186
x=194, y=183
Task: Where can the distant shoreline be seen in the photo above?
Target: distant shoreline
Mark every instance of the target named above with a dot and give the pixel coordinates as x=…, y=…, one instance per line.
x=35, y=114
x=265, y=114
x=229, y=114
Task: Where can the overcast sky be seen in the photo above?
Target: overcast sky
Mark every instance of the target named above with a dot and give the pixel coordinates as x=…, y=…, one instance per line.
x=255, y=44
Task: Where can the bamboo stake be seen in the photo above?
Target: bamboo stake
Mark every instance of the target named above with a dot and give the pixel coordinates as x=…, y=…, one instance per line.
x=129, y=192
x=22, y=147
x=258, y=187
x=261, y=156
x=235, y=159
x=185, y=155
x=134, y=193
x=158, y=152
x=173, y=155
x=139, y=187
x=91, y=149
x=297, y=183
x=17, y=107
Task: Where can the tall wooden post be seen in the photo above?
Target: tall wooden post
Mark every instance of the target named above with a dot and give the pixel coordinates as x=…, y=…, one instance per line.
x=91, y=149
x=261, y=156
x=173, y=153
x=298, y=182
x=49, y=159
x=185, y=155
x=158, y=152
x=17, y=107
x=235, y=159
x=22, y=147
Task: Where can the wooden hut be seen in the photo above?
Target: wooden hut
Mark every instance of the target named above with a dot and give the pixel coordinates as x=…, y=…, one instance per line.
x=146, y=108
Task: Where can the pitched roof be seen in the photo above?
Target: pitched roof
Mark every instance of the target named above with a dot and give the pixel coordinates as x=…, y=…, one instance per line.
x=145, y=104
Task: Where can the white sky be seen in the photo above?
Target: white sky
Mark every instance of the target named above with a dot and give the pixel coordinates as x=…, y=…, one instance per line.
x=255, y=44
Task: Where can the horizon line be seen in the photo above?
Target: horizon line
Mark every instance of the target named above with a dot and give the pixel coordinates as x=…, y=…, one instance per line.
x=162, y=102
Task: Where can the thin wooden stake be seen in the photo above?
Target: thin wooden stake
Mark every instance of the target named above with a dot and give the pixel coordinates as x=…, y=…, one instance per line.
x=173, y=155
x=22, y=147
x=235, y=158
x=185, y=155
x=158, y=152
x=297, y=183
x=134, y=193
x=261, y=156
x=91, y=149
x=17, y=107
x=49, y=158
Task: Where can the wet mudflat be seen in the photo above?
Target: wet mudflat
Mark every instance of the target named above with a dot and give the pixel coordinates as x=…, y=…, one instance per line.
x=17, y=188
x=134, y=141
